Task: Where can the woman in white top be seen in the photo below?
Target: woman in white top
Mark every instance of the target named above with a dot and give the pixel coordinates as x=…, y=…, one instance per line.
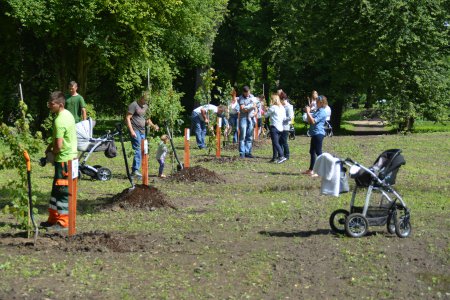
x=277, y=114
x=233, y=109
x=287, y=122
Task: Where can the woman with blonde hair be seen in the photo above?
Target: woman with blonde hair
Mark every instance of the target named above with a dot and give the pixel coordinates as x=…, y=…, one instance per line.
x=277, y=115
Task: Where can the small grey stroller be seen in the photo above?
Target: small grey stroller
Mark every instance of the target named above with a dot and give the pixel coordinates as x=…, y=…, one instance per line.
x=390, y=210
x=88, y=144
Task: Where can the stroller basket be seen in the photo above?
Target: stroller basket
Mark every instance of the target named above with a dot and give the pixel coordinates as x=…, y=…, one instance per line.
x=376, y=216
x=386, y=166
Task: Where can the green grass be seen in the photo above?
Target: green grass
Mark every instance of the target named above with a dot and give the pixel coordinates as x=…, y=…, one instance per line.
x=263, y=234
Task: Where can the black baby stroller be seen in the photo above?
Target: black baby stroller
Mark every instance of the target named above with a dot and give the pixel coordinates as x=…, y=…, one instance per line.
x=88, y=144
x=390, y=211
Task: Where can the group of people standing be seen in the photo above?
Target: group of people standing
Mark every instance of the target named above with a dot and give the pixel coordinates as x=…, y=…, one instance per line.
x=246, y=110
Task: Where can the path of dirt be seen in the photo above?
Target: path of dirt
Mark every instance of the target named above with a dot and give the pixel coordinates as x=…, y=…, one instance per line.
x=372, y=126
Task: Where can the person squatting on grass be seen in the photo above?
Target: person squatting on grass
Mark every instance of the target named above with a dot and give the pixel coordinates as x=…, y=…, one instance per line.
x=277, y=115
x=64, y=148
x=200, y=119
x=247, y=109
x=316, y=131
x=136, y=122
x=286, y=122
x=161, y=153
x=75, y=103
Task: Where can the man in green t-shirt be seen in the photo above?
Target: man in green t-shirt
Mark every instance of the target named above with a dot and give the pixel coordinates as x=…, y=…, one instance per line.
x=75, y=103
x=64, y=148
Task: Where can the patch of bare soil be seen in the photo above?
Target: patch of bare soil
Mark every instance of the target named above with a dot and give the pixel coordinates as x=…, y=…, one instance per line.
x=219, y=160
x=84, y=242
x=197, y=173
x=259, y=143
x=141, y=197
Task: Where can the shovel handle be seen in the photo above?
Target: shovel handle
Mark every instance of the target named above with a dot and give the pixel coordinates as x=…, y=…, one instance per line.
x=27, y=159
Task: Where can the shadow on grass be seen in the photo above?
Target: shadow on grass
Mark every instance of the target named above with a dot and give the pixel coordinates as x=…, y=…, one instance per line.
x=307, y=233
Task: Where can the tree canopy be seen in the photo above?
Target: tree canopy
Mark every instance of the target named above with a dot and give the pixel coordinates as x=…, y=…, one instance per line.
x=397, y=50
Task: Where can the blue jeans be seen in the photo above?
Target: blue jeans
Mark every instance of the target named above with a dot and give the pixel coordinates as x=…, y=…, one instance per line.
x=199, y=128
x=276, y=148
x=136, y=143
x=284, y=143
x=234, y=125
x=161, y=166
x=246, y=135
x=315, y=148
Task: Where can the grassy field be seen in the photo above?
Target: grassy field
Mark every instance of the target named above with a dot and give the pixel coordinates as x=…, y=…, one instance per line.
x=262, y=234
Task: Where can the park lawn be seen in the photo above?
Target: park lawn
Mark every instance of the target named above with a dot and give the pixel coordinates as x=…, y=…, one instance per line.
x=263, y=234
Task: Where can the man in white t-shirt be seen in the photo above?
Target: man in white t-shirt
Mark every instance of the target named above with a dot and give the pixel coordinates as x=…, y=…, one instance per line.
x=200, y=119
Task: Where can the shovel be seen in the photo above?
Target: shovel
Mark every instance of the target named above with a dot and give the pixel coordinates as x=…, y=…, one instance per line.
x=180, y=165
x=120, y=130
x=30, y=201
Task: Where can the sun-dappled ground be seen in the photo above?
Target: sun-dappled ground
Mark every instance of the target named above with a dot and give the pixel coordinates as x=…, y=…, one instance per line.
x=260, y=232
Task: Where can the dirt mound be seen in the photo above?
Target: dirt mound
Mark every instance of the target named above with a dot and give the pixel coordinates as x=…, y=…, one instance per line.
x=141, y=197
x=220, y=160
x=197, y=173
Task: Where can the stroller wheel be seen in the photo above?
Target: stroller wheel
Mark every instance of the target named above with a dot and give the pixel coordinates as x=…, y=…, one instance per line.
x=103, y=174
x=337, y=220
x=292, y=135
x=391, y=222
x=403, y=226
x=356, y=225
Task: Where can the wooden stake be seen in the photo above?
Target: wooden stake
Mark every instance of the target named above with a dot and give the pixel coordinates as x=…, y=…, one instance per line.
x=186, y=148
x=144, y=161
x=218, y=133
x=73, y=191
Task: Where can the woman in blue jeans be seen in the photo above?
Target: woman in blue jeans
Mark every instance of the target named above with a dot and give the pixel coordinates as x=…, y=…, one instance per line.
x=316, y=131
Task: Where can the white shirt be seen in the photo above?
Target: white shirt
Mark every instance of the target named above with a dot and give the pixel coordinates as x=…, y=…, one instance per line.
x=328, y=111
x=234, y=108
x=277, y=115
x=208, y=107
x=289, y=116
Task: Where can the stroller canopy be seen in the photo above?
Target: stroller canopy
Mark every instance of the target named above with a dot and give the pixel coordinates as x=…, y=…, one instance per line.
x=385, y=167
x=84, y=134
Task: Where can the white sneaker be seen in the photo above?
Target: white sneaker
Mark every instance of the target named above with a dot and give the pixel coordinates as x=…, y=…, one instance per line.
x=282, y=160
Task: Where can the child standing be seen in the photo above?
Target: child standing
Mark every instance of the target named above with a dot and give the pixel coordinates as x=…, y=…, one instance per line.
x=161, y=153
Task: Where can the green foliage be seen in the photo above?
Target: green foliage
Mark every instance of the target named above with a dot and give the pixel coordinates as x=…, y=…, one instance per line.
x=106, y=46
x=19, y=138
x=203, y=94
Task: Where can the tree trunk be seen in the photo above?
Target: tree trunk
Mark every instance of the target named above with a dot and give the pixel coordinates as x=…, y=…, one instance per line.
x=264, y=73
x=336, y=116
x=370, y=99
x=83, y=63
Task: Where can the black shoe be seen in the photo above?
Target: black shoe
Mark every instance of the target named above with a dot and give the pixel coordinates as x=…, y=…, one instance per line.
x=273, y=160
x=249, y=155
x=45, y=224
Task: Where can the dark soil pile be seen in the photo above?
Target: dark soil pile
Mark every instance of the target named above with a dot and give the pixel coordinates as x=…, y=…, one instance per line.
x=197, y=173
x=220, y=160
x=141, y=197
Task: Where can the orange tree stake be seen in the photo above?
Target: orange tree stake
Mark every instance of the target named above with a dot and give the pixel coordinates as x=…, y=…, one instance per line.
x=73, y=174
x=186, y=148
x=144, y=161
x=218, y=126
